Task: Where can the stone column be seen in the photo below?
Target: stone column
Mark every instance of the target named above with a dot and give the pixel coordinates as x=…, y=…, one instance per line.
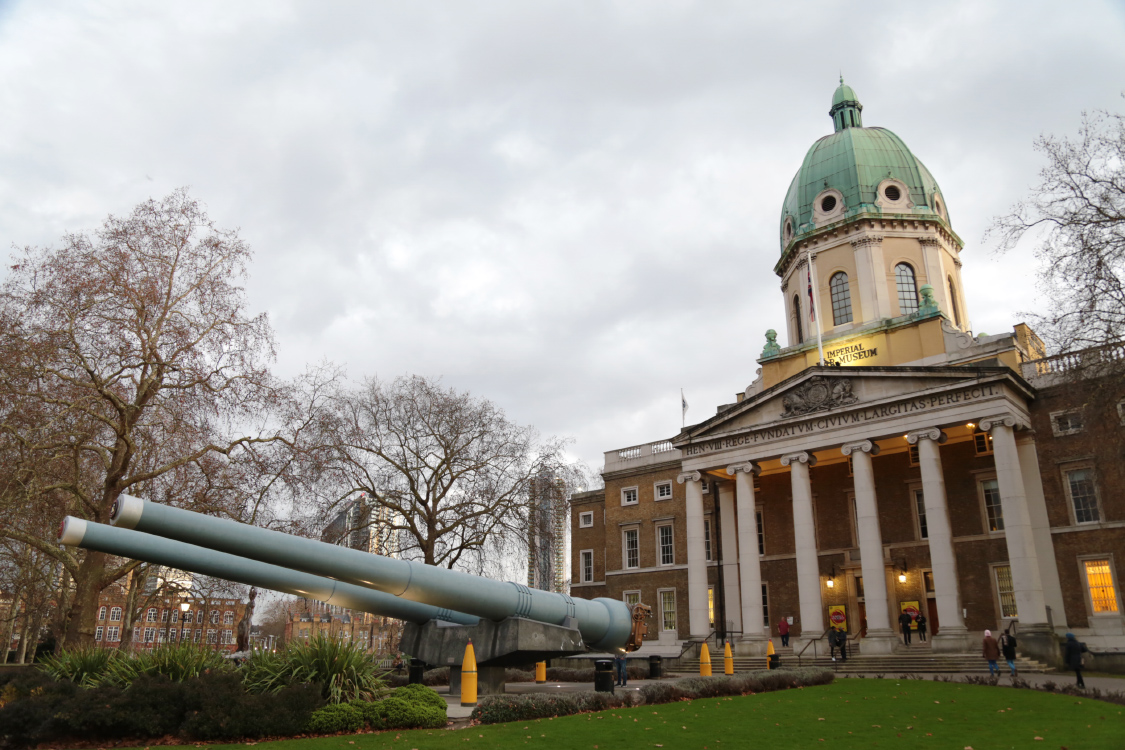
x=871, y=277
x=804, y=533
x=953, y=636
x=699, y=624
x=1041, y=530
x=880, y=638
x=730, y=546
x=753, y=641
x=935, y=276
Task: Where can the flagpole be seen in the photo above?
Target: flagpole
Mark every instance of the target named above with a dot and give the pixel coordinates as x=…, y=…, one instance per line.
x=812, y=304
x=683, y=409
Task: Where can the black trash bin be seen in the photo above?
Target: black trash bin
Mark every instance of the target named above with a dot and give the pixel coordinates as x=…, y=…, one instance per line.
x=655, y=667
x=603, y=675
x=417, y=669
x=775, y=661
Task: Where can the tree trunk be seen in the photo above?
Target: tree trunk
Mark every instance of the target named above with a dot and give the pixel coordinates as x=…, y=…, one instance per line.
x=136, y=581
x=23, y=638
x=36, y=630
x=13, y=615
x=61, y=612
x=82, y=618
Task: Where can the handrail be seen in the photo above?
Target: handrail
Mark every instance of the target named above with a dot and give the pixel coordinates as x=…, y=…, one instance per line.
x=693, y=641
x=811, y=642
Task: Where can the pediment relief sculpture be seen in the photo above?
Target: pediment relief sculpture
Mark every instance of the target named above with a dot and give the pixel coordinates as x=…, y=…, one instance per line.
x=818, y=394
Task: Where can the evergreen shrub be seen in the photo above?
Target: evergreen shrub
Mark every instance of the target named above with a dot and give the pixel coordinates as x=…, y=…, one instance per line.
x=336, y=717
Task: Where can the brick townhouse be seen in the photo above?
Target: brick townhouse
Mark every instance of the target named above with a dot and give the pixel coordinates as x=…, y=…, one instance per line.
x=885, y=461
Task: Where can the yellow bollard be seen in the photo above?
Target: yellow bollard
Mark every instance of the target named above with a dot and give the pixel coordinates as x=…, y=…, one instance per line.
x=469, y=677
x=728, y=660
x=769, y=653
x=540, y=672
x=705, y=660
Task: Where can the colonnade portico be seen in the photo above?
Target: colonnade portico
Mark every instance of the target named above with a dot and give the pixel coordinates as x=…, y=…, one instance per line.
x=1021, y=512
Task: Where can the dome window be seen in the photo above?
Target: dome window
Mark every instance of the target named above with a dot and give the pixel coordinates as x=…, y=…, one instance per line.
x=788, y=229
x=828, y=204
x=907, y=289
x=841, y=299
x=893, y=193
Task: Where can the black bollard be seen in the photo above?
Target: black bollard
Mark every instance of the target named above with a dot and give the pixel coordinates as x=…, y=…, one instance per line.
x=603, y=675
x=655, y=667
x=417, y=670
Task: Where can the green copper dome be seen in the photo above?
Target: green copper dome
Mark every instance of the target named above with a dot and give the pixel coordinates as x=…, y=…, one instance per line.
x=864, y=170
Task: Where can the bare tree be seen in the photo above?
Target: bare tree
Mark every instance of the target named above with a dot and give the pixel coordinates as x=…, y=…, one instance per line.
x=1076, y=214
x=129, y=364
x=452, y=472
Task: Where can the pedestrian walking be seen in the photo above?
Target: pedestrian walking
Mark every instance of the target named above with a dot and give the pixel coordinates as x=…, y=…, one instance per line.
x=842, y=644
x=991, y=652
x=1008, y=649
x=833, y=640
x=783, y=630
x=620, y=666
x=1072, y=657
x=920, y=621
x=905, y=620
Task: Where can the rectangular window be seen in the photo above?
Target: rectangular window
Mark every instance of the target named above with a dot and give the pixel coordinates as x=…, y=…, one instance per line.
x=175, y=615
x=928, y=581
x=994, y=513
x=101, y=613
x=161, y=635
x=587, y=558
x=667, y=552
x=150, y=635
x=765, y=605
x=914, y=455
x=211, y=636
x=586, y=520
x=629, y=496
x=197, y=636
x=98, y=632
x=663, y=490
x=150, y=616
x=228, y=637
x=920, y=510
x=172, y=634
x=707, y=539
x=1006, y=591
x=1083, y=495
x=1099, y=581
x=758, y=518
x=214, y=617
x=631, y=598
x=711, y=605
x=859, y=587
x=1066, y=422
x=164, y=615
x=668, y=610
x=632, y=549
x=982, y=443
x=114, y=635
x=228, y=618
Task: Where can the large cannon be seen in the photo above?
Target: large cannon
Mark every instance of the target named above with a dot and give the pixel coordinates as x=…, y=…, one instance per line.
x=516, y=624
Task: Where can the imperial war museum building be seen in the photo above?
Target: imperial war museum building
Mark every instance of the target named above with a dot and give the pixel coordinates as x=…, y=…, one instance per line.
x=920, y=469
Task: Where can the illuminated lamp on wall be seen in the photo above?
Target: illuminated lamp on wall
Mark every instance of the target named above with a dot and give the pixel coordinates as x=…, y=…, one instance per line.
x=831, y=583
x=902, y=573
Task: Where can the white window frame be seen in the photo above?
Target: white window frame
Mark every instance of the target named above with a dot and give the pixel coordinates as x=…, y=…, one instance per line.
x=1068, y=430
x=993, y=569
x=625, y=495
x=102, y=613
x=150, y=635
x=632, y=592
x=657, y=489
x=212, y=636
x=636, y=531
x=98, y=631
x=582, y=570
x=113, y=634
x=586, y=519
x=660, y=545
x=980, y=436
x=675, y=609
x=228, y=617
x=913, y=490
x=912, y=455
x=989, y=476
x=1078, y=466
x=1082, y=559
x=150, y=615
x=175, y=615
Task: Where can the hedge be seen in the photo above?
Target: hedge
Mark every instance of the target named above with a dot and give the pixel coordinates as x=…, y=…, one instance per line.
x=495, y=709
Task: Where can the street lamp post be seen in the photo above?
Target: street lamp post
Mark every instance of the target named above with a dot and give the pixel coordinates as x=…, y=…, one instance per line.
x=184, y=607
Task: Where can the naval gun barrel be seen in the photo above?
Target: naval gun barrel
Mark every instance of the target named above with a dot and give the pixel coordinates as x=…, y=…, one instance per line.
x=137, y=545
x=603, y=623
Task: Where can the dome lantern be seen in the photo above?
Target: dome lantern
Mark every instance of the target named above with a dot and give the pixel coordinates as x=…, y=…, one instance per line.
x=846, y=110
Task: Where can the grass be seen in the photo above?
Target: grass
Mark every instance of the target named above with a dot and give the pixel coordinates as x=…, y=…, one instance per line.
x=848, y=714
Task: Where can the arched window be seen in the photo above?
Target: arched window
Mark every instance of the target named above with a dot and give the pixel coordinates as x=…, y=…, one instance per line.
x=841, y=299
x=953, y=303
x=907, y=289
x=797, y=317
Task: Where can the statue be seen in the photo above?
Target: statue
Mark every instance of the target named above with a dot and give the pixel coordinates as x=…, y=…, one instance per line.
x=929, y=305
x=771, y=348
x=243, y=636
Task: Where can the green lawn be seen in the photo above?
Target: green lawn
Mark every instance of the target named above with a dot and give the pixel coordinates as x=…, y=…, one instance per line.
x=847, y=714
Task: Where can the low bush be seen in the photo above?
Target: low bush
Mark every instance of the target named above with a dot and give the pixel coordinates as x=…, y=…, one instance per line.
x=177, y=662
x=421, y=694
x=84, y=666
x=400, y=713
x=501, y=708
x=337, y=717
x=344, y=670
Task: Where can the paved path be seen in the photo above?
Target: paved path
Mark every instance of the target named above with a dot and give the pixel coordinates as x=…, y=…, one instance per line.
x=457, y=711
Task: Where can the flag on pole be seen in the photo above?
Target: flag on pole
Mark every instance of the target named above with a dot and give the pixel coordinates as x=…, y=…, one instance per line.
x=812, y=306
x=683, y=402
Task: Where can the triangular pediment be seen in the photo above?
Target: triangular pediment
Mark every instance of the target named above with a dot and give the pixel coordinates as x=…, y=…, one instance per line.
x=834, y=390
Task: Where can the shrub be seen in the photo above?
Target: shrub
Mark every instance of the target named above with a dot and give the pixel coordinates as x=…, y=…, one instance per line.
x=344, y=671
x=336, y=717
x=399, y=713
x=84, y=666
x=177, y=662
x=218, y=707
x=422, y=695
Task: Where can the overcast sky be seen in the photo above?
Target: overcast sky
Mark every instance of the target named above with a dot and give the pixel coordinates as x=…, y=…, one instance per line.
x=569, y=208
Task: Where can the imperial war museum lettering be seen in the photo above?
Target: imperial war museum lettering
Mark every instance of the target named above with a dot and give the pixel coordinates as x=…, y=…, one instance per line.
x=833, y=421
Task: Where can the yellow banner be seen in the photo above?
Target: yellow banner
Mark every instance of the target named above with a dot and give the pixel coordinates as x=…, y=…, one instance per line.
x=838, y=616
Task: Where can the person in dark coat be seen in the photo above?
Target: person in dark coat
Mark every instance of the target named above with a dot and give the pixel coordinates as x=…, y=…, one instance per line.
x=1072, y=657
x=991, y=652
x=842, y=643
x=783, y=631
x=920, y=621
x=905, y=621
x=833, y=640
x=620, y=666
x=1008, y=648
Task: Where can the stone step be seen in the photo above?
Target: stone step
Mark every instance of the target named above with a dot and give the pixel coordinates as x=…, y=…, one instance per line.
x=874, y=664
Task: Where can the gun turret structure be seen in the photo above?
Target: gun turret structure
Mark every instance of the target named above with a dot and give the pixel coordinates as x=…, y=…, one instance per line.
x=137, y=545
x=601, y=624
